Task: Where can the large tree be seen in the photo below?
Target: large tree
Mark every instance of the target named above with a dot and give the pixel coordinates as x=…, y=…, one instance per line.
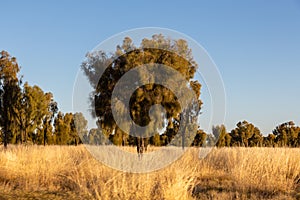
x=105, y=69
x=9, y=94
x=34, y=112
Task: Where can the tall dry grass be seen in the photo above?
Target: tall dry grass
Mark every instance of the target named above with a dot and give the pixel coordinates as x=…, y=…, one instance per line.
x=61, y=172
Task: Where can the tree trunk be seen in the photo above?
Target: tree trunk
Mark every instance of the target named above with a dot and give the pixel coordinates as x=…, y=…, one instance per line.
x=5, y=139
x=45, y=136
x=25, y=136
x=22, y=136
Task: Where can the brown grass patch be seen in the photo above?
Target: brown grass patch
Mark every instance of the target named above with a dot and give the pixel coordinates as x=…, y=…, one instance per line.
x=62, y=172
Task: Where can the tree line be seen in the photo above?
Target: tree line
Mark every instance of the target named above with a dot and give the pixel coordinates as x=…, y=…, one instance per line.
x=176, y=54
x=244, y=135
x=28, y=115
x=247, y=135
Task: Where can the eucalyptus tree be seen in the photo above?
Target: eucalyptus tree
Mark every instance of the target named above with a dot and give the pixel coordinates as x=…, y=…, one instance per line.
x=105, y=69
x=246, y=134
x=33, y=111
x=9, y=94
x=287, y=134
x=222, y=137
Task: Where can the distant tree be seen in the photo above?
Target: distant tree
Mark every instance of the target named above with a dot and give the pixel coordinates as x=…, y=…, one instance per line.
x=210, y=140
x=9, y=93
x=95, y=137
x=246, y=134
x=81, y=126
x=221, y=135
x=45, y=133
x=155, y=140
x=269, y=141
x=73, y=137
x=61, y=130
x=256, y=140
x=170, y=133
x=287, y=134
x=119, y=138
x=200, y=139
x=127, y=57
x=33, y=111
x=47, y=128
x=70, y=128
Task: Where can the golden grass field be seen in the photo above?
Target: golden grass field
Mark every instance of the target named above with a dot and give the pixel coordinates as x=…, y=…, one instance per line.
x=68, y=172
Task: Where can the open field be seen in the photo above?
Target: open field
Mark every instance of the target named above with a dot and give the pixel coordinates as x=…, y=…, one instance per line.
x=67, y=172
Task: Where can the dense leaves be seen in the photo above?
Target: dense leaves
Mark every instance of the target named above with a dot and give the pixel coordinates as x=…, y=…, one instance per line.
x=9, y=94
x=28, y=115
x=104, y=72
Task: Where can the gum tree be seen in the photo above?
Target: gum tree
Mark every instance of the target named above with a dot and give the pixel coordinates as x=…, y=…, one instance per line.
x=105, y=69
x=9, y=94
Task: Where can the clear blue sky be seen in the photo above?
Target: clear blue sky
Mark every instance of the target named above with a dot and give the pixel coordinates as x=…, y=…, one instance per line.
x=255, y=44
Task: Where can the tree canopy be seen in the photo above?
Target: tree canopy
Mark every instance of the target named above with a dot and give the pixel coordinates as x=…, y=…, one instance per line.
x=28, y=115
x=9, y=94
x=105, y=70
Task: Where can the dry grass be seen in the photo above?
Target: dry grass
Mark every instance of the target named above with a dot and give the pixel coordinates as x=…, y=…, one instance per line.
x=60, y=172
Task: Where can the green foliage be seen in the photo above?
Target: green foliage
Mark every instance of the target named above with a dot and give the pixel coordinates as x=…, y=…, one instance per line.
x=66, y=131
x=200, y=139
x=155, y=140
x=287, y=134
x=245, y=135
x=126, y=57
x=223, y=138
x=269, y=141
x=9, y=93
x=33, y=111
x=157, y=50
x=28, y=115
